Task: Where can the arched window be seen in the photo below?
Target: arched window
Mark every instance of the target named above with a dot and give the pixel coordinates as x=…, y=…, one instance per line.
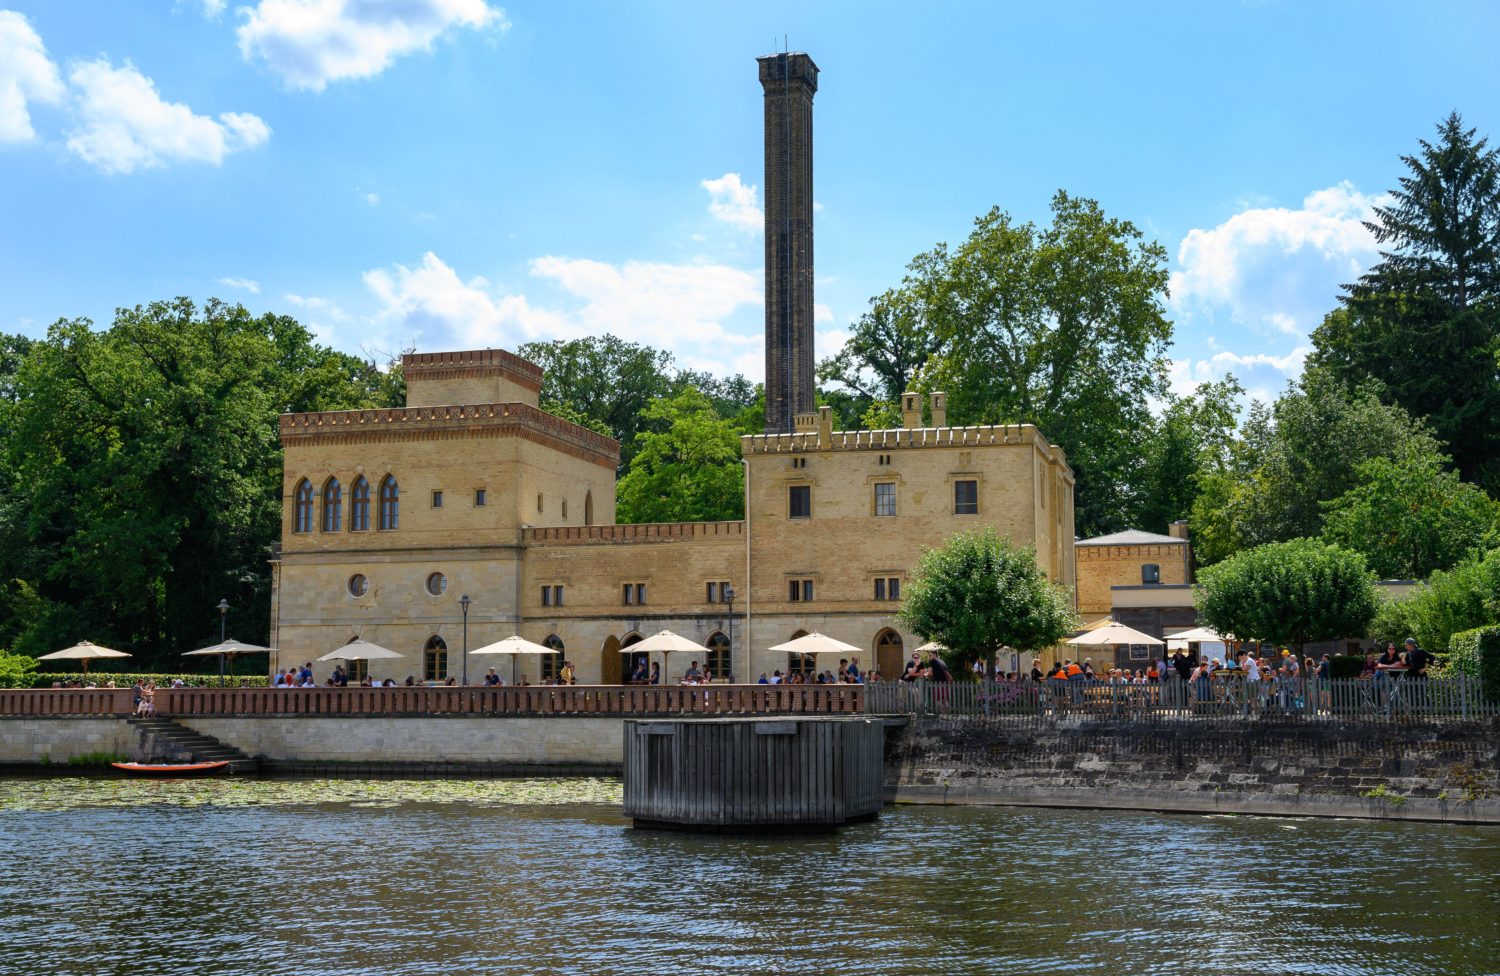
x=302, y=508
x=588, y=508
x=359, y=505
x=718, y=663
x=390, y=503
x=803, y=664
x=552, y=663
x=890, y=655
x=435, y=659
x=333, y=505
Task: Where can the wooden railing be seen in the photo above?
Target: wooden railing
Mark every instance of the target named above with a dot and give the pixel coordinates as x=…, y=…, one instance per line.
x=631, y=700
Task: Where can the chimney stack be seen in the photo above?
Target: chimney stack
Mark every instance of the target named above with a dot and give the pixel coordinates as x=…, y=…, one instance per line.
x=939, y=409
x=911, y=410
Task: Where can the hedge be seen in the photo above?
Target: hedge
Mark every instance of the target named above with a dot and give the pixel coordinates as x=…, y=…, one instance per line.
x=1476, y=653
x=122, y=680
x=1346, y=665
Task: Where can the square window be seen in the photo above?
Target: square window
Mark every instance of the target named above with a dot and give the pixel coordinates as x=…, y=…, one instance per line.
x=479, y=497
x=965, y=498
x=885, y=498
x=437, y=499
x=799, y=501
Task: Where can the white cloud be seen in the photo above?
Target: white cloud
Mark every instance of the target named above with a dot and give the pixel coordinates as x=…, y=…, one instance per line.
x=373, y=199
x=1263, y=375
x=734, y=202
x=318, y=306
x=243, y=284
x=125, y=125
x=679, y=307
x=822, y=313
x=213, y=8
x=26, y=74
x=309, y=43
x=1275, y=269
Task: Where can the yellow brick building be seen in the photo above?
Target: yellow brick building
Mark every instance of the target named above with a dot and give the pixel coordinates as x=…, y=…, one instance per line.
x=391, y=516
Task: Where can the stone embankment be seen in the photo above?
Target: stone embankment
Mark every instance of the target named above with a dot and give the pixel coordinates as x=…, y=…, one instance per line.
x=1440, y=772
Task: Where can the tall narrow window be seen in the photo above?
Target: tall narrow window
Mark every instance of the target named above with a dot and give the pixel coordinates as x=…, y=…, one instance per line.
x=435, y=659
x=390, y=503
x=302, y=507
x=333, y=505
x=479, y=497
x=588, y=508
x=546, y=596
x=437, y=498
x=359, y=505
x=718, y=663
x=885, y=498
x=965, y=498
x=552, y=663
x=799, y=501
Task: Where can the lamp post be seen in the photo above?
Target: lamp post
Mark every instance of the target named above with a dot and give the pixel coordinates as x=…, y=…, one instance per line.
x=464, y=602
x=728, y=593
x=223, y=616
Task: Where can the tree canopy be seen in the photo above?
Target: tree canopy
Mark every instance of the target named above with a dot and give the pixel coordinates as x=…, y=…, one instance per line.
x=1290, y=593
x=979, y=593
x=145, y=472
x=687, y=472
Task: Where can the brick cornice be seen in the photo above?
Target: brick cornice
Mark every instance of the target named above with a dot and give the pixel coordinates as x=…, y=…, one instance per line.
x=456, y=422
x=472, y=363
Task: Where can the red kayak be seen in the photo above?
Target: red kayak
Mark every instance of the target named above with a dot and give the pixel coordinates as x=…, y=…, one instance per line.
x=172, y=769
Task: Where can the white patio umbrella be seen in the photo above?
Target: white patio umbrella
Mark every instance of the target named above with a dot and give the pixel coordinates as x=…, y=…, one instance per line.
x=665, y=642
x=82, y=651
x=227, y=649
x=360, y=649
x=814, y=644
x=1114, y=634
x=931, y=646
x=1197, y=635
x=514, y=646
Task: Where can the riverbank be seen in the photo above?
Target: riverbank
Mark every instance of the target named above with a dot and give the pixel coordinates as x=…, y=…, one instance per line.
x=1448, y=773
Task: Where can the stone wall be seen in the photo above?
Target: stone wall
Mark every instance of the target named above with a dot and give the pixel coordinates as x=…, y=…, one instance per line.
x=1438, y=773
x=568, y=741
x=56, y=740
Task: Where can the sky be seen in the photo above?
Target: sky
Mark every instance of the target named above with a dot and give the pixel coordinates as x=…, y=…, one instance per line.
x=445, y=174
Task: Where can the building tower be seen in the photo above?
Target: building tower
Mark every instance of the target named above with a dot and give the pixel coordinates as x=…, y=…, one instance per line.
x=789, y=80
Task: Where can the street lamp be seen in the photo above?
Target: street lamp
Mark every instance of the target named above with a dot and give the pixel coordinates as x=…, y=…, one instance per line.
x=728, y=593
x=223, y=616
x=464, y=602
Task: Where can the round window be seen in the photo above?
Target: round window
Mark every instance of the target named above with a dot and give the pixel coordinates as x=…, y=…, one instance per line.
x=358, y=585
x=436, y=584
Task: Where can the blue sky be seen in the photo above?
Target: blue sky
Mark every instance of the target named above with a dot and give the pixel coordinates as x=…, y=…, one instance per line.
x=451, y=173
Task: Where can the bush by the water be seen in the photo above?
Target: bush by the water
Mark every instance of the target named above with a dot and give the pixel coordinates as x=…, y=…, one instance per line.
x=123, y=680
x=1476, y=653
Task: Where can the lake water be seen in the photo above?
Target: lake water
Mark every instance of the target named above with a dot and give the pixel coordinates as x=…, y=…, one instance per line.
x=318, y=878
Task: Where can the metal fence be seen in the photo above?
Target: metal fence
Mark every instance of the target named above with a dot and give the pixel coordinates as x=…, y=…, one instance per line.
x=1230, y=698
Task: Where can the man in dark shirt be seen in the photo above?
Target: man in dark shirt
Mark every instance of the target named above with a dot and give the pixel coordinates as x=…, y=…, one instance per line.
x=1417, y=660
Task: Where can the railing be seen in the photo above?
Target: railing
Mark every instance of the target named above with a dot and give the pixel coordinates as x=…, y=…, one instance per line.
x=614, y=700
x=1226, y=699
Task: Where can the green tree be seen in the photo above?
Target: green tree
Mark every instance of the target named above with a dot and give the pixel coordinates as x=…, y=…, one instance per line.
x=1192, y=439
x=1062, y=327
x=978, y=593
x=602, y=381
x=147, y=473
x=885, y=351
x=1409, y=516
x=689, y=470
x=1462, y=598
x=1425, y=322
x=1290, y=593
x=1302, y=453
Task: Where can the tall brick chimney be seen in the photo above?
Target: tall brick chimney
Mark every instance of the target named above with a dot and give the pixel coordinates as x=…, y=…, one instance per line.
x=789, y=82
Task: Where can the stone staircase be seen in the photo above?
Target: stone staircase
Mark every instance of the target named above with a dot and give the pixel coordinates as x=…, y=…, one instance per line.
x=167, y=740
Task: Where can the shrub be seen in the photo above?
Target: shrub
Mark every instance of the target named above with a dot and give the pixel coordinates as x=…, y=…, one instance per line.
x=46, y=679
x=1476, y=653
x=16, y=670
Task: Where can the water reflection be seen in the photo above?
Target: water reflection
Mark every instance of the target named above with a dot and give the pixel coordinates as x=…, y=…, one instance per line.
x=424, y=878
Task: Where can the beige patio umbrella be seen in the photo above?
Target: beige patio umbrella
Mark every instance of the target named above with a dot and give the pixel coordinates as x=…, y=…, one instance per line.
x=82, y=651
x=814, y=644
x=931, y=646
x=665, y=642
x=1114, y=634
x=229, y=649
x=1197, y=635
x=514, y=646
x=360, y=649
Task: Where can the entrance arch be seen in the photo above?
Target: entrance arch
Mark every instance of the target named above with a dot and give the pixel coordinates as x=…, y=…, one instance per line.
x=610, y=665
x=890, y=654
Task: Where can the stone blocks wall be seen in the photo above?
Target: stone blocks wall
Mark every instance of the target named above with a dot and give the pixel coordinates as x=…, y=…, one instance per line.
x=1447, y=772
x=36, y=740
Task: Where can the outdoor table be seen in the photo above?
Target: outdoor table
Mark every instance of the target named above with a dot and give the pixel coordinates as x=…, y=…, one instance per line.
x=1232, y=693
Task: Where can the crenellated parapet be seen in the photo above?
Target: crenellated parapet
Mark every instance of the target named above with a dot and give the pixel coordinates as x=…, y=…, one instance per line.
x=427, y=366
x=904, y=438
x=585, y=535
x=437, y=422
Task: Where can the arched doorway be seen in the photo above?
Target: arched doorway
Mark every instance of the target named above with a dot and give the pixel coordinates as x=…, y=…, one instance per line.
x=803, y=664
x=720, y=667
x=435, y=659
x=890, y=654
x=629, y=662
x=610, y=665
x=552, y=663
